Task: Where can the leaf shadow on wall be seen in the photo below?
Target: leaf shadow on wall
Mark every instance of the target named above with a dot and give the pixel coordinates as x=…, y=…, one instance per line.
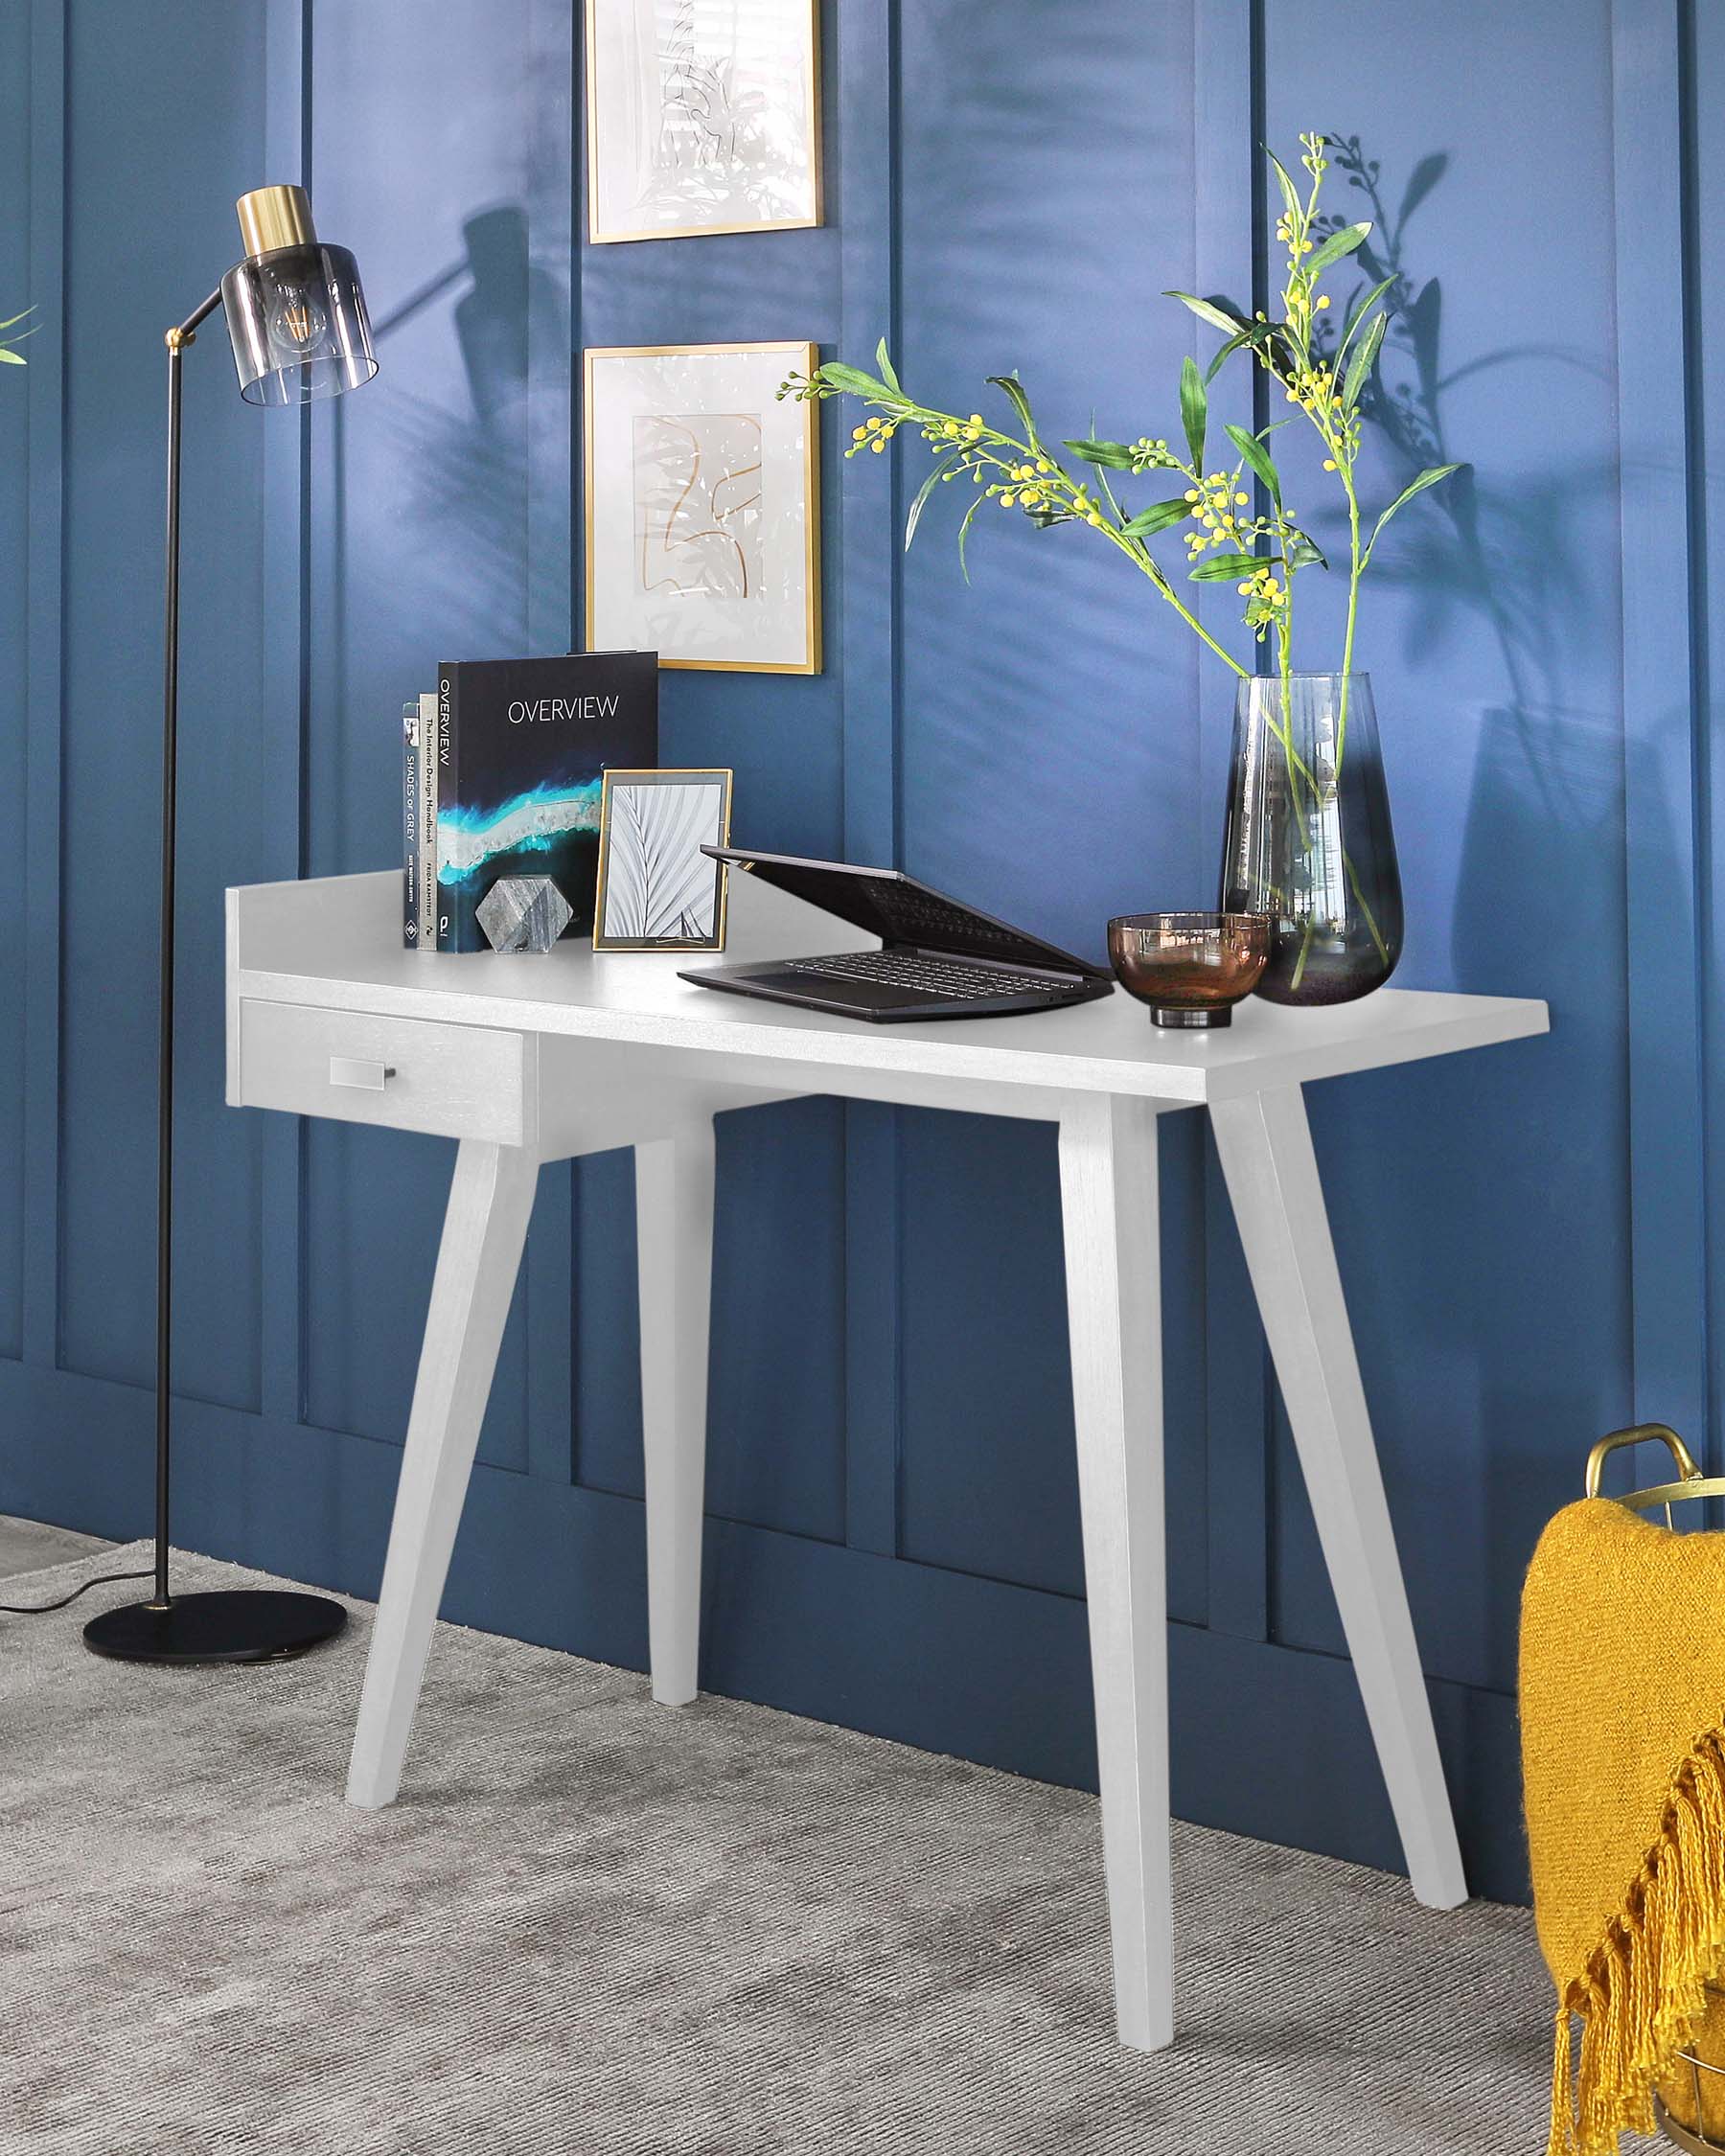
x=469, y=473
x=1050, y=738
x=424, y=537
x=1509, y=556
x=1507, y=1298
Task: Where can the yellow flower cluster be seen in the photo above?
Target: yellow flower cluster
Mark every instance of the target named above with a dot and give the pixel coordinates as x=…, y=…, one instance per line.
x=1212, y=505
x=1029, y=489
x=1263, y=586
x=873, y=434
x=947, y=430
x=1294, y=229
x=1314, y=389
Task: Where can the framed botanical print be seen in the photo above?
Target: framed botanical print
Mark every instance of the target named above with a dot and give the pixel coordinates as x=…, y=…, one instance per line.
x=702, y=507
x=702, y=116
x=658, y=890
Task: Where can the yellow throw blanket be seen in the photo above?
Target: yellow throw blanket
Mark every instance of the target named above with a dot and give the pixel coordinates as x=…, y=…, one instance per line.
x=1622, y=1702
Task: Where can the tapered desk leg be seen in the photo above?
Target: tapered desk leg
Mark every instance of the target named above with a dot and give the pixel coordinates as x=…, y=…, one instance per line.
x=1266, y=1148
x=1109, y=1211
x=484, y=1230
x=674, y=1237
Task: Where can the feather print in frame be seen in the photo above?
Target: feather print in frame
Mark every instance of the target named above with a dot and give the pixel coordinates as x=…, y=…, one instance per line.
x=658, y=890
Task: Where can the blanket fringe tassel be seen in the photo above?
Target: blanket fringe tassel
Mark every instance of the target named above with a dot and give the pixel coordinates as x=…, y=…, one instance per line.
x=1645, y=1984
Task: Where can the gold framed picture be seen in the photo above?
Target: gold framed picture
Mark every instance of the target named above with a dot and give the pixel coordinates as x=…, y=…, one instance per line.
x=658, y=890
x=702, y=506
x=702, y=119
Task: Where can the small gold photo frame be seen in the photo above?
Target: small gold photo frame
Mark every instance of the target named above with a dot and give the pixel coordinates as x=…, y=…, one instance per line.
x=658, y=890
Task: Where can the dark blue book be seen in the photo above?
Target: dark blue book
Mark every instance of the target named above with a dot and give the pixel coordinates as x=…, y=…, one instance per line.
x=522, y=748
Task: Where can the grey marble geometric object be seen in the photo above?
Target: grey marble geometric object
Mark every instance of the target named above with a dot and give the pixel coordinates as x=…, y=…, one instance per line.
x=524, y=914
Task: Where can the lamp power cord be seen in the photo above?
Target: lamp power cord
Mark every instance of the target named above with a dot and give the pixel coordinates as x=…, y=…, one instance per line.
x=43, y=1609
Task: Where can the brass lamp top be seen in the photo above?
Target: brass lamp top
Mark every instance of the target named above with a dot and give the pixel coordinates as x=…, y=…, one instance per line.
x=275, y=216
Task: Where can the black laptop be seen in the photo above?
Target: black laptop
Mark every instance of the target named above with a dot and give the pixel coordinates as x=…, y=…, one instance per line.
x=939, y=959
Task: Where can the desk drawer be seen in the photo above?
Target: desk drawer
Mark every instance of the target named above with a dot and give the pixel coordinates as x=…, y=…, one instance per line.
x=410, y=1074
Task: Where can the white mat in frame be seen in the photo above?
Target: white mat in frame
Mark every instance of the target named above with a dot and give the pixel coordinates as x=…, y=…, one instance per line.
x=702, y=506
x=703, y=117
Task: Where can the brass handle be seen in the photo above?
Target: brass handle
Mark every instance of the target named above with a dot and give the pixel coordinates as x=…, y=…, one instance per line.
x=1637, y=1434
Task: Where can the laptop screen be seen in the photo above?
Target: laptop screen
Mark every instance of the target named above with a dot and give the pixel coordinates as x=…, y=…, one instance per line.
x=886, y=902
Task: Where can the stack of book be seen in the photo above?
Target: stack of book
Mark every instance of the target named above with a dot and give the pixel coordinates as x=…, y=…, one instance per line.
x=503, y=766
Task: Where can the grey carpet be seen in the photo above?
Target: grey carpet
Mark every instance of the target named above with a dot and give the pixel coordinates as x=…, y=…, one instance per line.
x=598, y=1926
x=28, y=1546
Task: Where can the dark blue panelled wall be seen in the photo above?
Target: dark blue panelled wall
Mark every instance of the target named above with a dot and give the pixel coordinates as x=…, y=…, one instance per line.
x=893, y=1540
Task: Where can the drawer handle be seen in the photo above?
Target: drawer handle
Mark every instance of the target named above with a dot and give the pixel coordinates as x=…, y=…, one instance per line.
x=352, y=1070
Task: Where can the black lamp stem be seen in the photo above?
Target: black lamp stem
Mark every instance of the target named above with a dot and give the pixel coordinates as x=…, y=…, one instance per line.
x=224, y=1624
x=177, y=340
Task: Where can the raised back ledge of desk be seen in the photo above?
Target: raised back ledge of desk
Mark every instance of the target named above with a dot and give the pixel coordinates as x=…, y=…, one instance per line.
x=335, y=943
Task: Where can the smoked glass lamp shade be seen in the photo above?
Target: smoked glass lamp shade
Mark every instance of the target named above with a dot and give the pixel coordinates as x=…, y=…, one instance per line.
x=296, y=316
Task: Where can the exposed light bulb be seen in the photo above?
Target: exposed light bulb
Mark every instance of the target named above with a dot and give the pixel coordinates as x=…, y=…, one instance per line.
x=296, y=322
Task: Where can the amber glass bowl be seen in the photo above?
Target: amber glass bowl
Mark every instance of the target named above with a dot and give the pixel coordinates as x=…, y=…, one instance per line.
x=1190, y=968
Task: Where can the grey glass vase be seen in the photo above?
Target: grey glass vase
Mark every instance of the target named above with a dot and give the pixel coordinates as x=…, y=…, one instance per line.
x=1308, y=839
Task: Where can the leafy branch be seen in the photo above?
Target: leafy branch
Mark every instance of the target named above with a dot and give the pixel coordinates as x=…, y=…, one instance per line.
x=1022, y=471
x=1328, y=380
x=1262, y=549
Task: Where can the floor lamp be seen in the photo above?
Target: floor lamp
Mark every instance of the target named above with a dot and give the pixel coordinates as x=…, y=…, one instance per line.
x=296, y=317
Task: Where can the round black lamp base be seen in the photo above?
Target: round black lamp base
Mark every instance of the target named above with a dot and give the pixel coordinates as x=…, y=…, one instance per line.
x=237, y=1624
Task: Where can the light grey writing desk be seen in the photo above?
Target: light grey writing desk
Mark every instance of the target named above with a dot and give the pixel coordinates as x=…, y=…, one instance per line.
x=532, y=1059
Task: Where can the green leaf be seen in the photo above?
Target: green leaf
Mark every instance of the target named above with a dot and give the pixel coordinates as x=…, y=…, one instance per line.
x=1258, y=457
x=1224, y=355
x=1158, y=518
x=856, y=382
x=1253, y=334
x=1206, y=310
x=942, y=466
x=1115, y=454
x=1365, y=352
x=1301, y=554
x=1222, y=566
x=1429, y=477
x=1194, y=410
x=976, y=501
x=11, y=320
x=1290, y=192
x=1338, y=244
x=886, y=366
x=12, y=358
x=1356, y=314
x=1013, y=388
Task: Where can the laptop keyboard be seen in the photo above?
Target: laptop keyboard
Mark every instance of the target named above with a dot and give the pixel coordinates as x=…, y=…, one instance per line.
x=935, y=976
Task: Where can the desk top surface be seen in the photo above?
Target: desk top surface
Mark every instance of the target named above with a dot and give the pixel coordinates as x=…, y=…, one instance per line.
x=335, y=943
